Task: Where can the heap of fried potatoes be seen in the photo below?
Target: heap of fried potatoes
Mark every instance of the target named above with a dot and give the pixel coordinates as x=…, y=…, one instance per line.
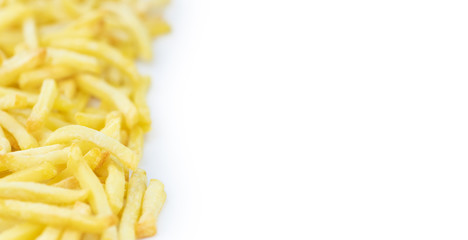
x=73, y=115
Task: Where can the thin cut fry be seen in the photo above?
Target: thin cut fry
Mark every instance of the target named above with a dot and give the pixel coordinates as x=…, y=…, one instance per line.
x=131, y=211
x=50, y=233
x=24, y=139
x=43, y=106
x=37, y=192
x=91, y=120
x=152, y=204
x=22, y=231
x=38, y=173
x=115, y=186
x=5, y=146
x=70, y=183
x=30, y=33
x=73, y=132
x=17, y=162
x=51, y=215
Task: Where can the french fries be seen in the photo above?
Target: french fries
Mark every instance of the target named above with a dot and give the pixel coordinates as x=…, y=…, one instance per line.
x=131, y=211
x=51, y=215
x=153, y=202
x=73, y=115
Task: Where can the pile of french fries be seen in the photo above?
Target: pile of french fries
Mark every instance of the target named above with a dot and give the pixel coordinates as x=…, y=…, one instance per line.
x=73, y=115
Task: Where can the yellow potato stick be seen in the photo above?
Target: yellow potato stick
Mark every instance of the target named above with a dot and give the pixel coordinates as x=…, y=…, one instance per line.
x=43, y=106
x=131, y=211
x=17, y=162
x=70, y=183
x=68, y=88
x=73, y=60
x=55, y=216
x=135, y=141
x=38, y=192
x=12, y=101
x=5, y=146
x=11, y=15
x=107, y=93
x=153, y=202
x=50, y=233
x=34, y=78
x=102, y=51
x=13, y=143
x=30, y=33
x=73, y=132
x=24, y=139
x=42, y=172
x=24, y=61
x=91, y=120
x=135, y=26
x=124, y=137
x=53, y=122
x=23, y=231
x=139, y=98
x=80, y=208
x=113, y=125
x=88, y=180
x=38, y=150
x=115, y=186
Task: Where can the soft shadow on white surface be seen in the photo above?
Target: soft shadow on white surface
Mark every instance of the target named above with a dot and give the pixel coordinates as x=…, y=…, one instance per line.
x=315, y=120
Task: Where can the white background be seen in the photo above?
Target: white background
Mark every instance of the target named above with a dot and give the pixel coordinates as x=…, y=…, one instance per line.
x=303, y=119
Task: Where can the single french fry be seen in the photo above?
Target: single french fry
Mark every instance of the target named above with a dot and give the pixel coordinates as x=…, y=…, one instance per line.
x=91, y=120
x=23, y=231
x=139, y=98
x=38, y=173
x=131, y=211
x=73, y=60
x=115, y=186
x=55, y=216
x=30, y=33
x=24, y=61
x=24, y=139
x=43, y=106
x=68, y=88
x=70, y=183
x=15, y=161
x=73, y=132
x=102, y=51
x=113, y=125
x=34, y=78
x=50, y=233
x=5, y=146
x=88, y=180
x=37, y=192
x=70, y=234
x=11, y=101
x=135, y=141
x=107, y=93
x=153, y=202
